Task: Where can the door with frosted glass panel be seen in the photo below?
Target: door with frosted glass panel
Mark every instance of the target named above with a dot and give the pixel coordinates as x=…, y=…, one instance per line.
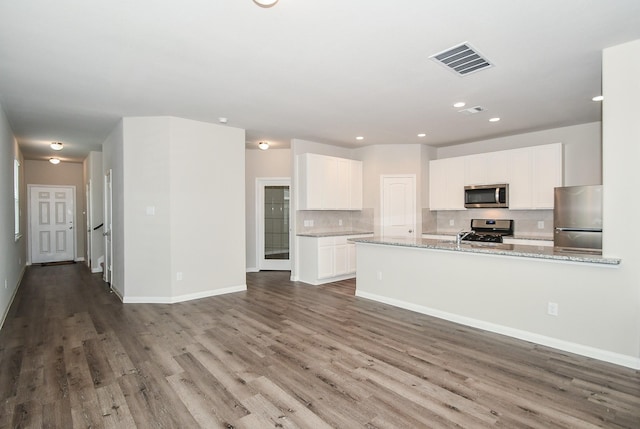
x=275, y=231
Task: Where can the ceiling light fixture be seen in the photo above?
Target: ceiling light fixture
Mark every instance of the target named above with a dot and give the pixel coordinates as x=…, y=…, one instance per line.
x=494, y=119
x=359, y=138
x=422, y=135
x=263, y=145
x=598, y=98
x=54, y=161
x=56, y=145
x=265, y=3
x=459, y=104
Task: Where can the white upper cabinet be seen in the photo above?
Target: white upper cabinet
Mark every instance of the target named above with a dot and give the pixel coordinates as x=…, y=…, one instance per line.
x=532, y=174
x=486, y=168
x=446, y=184
x=329, y=183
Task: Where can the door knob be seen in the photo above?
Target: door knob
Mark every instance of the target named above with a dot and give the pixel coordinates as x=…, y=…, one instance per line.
x=410, y=231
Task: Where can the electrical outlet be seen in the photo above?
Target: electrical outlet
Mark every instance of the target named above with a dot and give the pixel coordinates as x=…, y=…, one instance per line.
x=540, y=224
x=552, y=309
x=379, y=275
x=179, y=275
x=451, y=222
x=339, y=222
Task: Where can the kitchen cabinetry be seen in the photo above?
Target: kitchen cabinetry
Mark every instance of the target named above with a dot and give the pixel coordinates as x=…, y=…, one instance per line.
x=486, y=168
x=329, y=183
x=327, y=259
x=446, y=184
x=534, y=172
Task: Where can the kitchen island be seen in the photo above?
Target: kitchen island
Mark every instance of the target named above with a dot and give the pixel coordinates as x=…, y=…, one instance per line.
x=534, y=293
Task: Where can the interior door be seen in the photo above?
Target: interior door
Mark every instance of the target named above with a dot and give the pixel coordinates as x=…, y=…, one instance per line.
x=398, y=205
x=108, y=214
x=273, y=226
x=51, y=214
x=89, y=222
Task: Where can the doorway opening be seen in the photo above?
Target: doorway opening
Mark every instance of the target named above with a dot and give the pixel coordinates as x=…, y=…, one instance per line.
x=273, y=225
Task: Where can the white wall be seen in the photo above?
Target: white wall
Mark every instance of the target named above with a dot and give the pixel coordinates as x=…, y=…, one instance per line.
x=113, y=159
x=582, y=150
x=260, y=164
x=147, y=240
x=621, y=176
x=179, y=196
x=206, y=187
x=13, y=260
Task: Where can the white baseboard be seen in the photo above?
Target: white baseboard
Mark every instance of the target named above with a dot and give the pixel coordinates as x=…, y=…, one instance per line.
x=79, y=259
x=567, y=346
x=96, y=270
x=182, y=298
x=13, y=296
x=253, y=270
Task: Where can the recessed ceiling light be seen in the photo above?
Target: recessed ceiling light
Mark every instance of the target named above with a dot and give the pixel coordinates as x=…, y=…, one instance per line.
x=598, y=98
x=222, y=120
x=422, y=135
x=263, y=145
x=56, y=145
x=359, y=138
x=494, y=119
x=54, y=161
x=459, y=104
x=265, y=3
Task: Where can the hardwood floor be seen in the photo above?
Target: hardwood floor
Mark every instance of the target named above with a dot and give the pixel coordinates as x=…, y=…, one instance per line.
x=281, y=355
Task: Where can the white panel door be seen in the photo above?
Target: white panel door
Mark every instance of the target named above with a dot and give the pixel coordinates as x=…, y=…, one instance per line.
x=398, y=206
x=51, y=214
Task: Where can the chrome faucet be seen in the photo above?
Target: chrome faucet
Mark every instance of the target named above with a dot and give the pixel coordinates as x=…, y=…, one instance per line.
x=461, y=235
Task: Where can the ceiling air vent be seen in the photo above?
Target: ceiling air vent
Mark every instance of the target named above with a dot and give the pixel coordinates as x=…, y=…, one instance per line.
x=462, y=59
x=472, y=110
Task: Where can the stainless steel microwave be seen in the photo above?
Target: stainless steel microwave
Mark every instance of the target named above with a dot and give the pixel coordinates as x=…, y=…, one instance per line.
x=486, y=196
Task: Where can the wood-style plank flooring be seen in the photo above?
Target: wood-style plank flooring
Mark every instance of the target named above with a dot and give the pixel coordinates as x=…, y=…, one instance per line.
x=281, y=355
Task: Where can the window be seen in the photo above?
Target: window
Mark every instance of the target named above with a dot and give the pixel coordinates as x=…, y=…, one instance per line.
x=16, y=197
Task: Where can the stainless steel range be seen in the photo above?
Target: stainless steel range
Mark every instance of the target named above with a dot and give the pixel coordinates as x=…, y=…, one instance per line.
x=488, y=230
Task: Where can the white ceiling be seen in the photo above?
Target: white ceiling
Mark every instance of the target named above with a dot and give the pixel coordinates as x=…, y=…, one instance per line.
x=325, y=71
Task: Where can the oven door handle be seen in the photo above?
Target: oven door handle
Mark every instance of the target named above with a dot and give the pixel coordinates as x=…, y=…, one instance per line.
x=497, y=195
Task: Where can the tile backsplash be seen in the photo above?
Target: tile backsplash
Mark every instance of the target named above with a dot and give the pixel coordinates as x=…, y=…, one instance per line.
x=526, y=222
x=329, y=220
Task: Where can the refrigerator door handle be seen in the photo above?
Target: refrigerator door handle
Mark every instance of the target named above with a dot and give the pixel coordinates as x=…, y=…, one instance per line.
x=579, y=229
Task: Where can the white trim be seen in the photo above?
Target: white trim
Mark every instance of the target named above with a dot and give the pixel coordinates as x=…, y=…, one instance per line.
x=182, y=298
x=96, y=270
x=252, y=270
x=567, y=346
x=79, y=259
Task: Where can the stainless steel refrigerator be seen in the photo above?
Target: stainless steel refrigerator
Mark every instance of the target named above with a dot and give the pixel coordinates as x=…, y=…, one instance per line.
x=577, y=218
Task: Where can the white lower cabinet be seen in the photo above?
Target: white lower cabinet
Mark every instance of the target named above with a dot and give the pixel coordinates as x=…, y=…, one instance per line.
x=327, y=259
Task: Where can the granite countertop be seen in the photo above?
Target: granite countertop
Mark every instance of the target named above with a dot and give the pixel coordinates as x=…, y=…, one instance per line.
x=520, y=250
x=515, y=236
x=332, y=233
